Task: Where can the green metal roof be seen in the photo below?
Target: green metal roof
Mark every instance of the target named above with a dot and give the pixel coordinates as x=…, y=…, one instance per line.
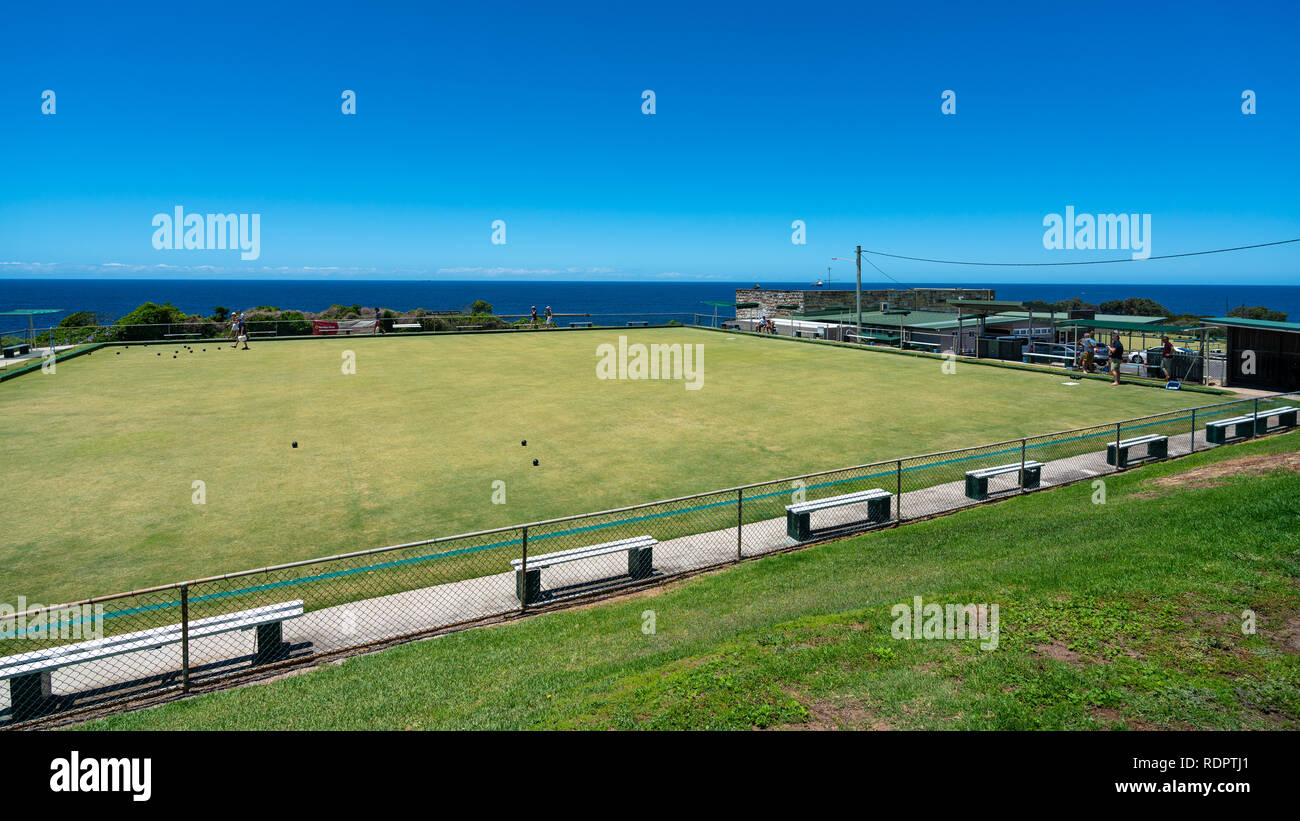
x=1262, y=324
x=878, y=318
x=1061, y=316
x=1129, y=325
x=984, y=305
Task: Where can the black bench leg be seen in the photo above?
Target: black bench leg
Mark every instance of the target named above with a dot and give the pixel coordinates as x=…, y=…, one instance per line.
x=640, y=562
x=878, y=509
x=530, y=589
x=1158, y=449
x=1286, y=420
x=1031, y=477
x=29, y=695
x=977, y=488
x=798, y=525
x=270, y=643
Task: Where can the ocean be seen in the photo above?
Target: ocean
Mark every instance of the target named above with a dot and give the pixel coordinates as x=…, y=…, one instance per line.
x=115, y=298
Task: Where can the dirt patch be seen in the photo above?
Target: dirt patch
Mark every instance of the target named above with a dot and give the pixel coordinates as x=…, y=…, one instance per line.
x=1060, y=651
x=1106, y=715
x=1215, y=475
x=839, y=715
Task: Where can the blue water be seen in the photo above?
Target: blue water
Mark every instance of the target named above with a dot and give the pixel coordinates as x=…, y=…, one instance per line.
x=114, y=298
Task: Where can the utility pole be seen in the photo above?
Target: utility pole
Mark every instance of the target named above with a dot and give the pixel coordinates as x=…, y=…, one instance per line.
x=858, y=314
x=857, y=320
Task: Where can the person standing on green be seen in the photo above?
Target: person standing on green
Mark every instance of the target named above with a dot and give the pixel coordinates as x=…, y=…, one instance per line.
x=1116, y=349
x=1088, y=350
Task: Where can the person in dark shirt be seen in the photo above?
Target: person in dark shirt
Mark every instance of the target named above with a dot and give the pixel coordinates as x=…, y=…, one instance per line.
x=1167, y=358
x=240, y=328
x=1116, y=349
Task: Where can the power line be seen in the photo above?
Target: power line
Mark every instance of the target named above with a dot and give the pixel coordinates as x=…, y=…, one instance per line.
x=882, y=273
x=1087, y=262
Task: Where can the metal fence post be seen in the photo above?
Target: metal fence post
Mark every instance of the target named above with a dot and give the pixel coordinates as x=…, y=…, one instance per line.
x=523, y=574
x=1118, y=457
x=740, y=522
x=185, y=638
x=898, y=486
x=1022, y=463
x=1191, y=446
x=1254, y=422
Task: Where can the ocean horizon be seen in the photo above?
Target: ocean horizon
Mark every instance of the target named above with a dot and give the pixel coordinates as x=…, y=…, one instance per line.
x=115, y=298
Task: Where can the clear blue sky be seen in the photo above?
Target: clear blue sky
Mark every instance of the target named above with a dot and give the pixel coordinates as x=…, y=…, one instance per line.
x=766, y=113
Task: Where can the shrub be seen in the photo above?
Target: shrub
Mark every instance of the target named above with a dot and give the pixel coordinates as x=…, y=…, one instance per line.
x=149, y=321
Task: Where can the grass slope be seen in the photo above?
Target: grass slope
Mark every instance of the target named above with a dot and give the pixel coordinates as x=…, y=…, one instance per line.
x=106, y=450
x=1124, y=614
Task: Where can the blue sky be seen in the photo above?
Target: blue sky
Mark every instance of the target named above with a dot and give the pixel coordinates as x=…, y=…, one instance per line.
x=766, y=114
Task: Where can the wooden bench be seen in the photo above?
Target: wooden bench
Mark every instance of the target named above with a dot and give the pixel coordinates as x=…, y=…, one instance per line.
x=638, y=324
x=1248, y=425
x=640, y=557
x=21, y=349
x=263, y=333
x=798, y=517
x=1157, y=447
x=581, y=325
x=181, y=336
x=977, y=481
x=29, y=673
x=406, y=326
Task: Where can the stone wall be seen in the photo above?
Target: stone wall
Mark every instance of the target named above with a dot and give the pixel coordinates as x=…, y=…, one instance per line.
x=911, y=299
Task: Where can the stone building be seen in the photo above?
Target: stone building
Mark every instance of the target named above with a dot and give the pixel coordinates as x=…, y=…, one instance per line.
x=769, y=300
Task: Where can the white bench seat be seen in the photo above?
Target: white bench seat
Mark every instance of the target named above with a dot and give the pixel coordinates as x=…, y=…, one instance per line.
x=798, y=517
x=640, y=563
x=1249, y=424
x=1156, y=444
x=977, y=481
x=29, y=673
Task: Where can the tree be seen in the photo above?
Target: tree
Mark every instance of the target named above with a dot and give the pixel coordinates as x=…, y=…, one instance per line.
x=1134, y=306
x=1061, y=307
x=149, y=321
x=1258, y=312
x=480, y=307
x=220, y=314
x=80, y=319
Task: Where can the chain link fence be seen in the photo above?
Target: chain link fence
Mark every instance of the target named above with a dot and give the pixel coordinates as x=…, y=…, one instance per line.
x=97, y=651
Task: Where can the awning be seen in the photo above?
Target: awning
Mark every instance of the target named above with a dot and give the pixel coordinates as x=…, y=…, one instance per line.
x=1128, y=326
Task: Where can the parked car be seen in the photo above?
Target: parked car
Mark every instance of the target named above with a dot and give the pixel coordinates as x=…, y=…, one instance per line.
x=1051, y=353
x=1154, y=354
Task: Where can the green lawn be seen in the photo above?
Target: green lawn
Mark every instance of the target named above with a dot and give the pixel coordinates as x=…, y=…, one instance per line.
x=1127, y=614
x=101, y=456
